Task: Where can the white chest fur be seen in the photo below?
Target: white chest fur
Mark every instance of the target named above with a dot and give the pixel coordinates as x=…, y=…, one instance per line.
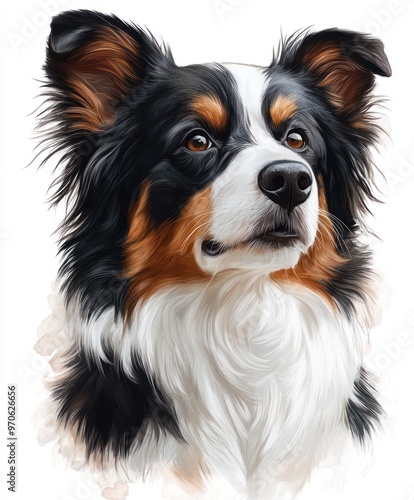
x=259, y=374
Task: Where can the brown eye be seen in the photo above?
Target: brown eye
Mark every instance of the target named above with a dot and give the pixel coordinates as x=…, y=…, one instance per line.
x=198, y=142
x=296, y=140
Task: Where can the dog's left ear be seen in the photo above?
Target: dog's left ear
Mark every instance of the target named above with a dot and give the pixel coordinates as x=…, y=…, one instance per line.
x=343, y=63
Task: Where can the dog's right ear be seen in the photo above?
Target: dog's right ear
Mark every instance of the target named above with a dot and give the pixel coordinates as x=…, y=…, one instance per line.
x=93, y=63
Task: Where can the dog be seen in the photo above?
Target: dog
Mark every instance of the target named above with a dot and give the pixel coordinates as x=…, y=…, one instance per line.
x=214, y=278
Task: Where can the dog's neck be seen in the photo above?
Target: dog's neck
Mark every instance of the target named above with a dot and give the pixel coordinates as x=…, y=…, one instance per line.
x=255, y=370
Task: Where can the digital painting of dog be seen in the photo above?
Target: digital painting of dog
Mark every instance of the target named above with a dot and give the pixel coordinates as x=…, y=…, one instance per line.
x=217, y=294
x=212, y=273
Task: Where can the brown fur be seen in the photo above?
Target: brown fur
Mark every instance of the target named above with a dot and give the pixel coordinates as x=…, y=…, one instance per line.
x=282, y=109
x=321, y=260
x=344, y=80
x=211, y=110
x=100, y=74
x=165, y=255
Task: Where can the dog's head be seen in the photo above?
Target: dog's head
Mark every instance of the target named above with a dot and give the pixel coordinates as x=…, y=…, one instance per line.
x=177, y=173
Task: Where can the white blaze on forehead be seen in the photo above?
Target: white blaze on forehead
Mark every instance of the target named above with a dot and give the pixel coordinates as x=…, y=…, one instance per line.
x=251, y=84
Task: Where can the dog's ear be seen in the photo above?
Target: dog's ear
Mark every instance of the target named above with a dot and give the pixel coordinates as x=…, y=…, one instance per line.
x=343, y=63
x=93, y=63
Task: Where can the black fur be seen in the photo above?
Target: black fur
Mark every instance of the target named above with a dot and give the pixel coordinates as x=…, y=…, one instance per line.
x=110, y=410
x=103, y=172
x=348, y=279
x=96, y=223
x=364, y=413
x=106, y=169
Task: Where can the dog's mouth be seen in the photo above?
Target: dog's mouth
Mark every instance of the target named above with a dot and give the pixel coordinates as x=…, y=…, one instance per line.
x=277, y=237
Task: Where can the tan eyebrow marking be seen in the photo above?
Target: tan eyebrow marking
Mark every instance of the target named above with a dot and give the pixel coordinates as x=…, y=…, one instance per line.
x=211, y=110
x=282, y=109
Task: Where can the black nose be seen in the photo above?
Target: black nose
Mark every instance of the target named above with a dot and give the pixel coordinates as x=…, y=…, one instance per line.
x=287, y=183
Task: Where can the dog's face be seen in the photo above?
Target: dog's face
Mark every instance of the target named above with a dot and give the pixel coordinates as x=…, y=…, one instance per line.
x=264, y=204
x=237, y=150
x=178, y=173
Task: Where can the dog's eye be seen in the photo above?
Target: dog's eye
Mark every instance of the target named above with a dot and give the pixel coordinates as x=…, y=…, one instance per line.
x=198, y=142
x=296, y=139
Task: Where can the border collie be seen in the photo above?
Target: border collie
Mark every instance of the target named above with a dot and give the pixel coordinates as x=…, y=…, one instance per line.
x=214, y=278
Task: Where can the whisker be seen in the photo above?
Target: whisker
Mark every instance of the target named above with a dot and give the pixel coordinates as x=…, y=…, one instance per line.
x=192, y=232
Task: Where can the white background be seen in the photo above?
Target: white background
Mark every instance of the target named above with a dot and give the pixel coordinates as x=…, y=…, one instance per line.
x=202, y=31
